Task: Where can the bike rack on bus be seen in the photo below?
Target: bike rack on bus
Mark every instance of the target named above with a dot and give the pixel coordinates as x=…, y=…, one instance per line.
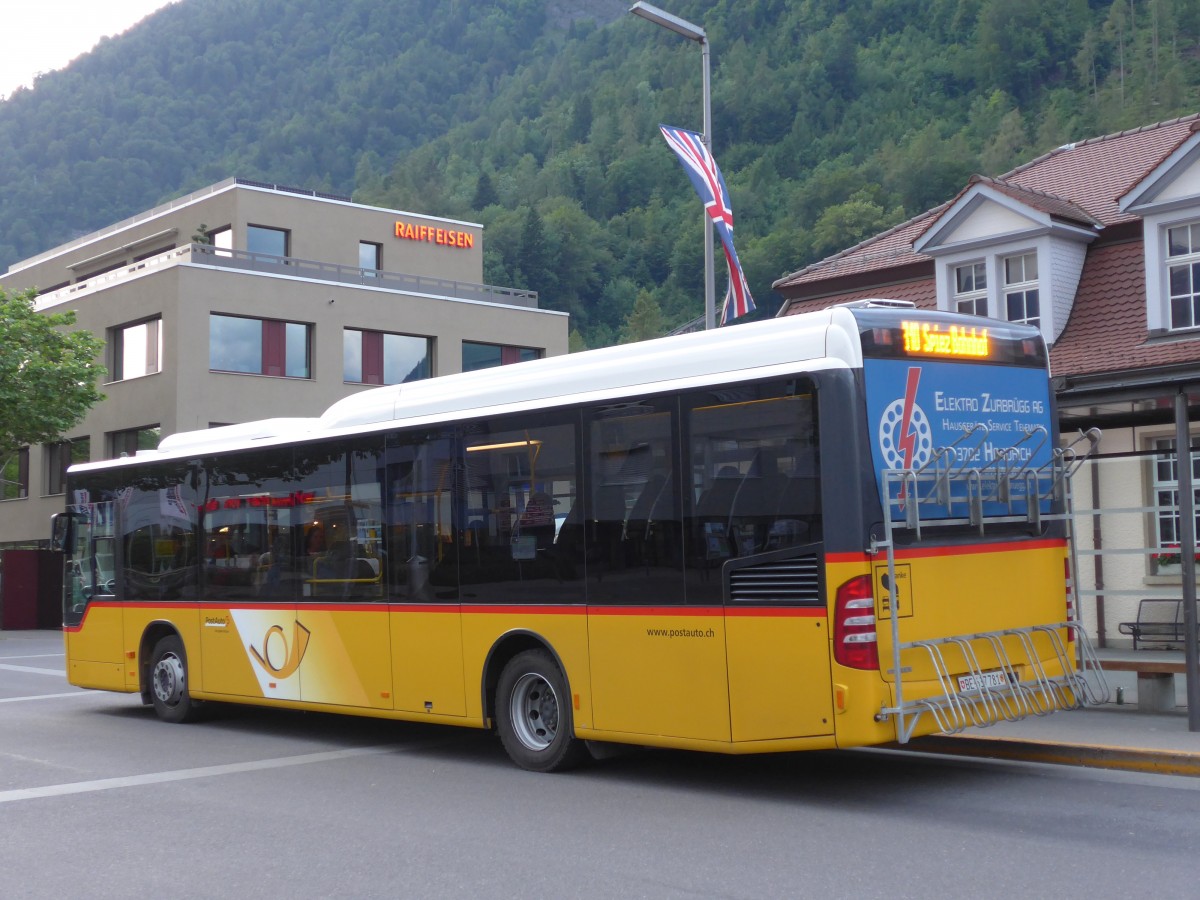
x=1015, y=682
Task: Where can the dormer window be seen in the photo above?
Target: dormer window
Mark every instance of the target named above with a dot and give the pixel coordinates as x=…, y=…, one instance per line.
x=1183, y=274
x=1021, y=296
x=970, y=289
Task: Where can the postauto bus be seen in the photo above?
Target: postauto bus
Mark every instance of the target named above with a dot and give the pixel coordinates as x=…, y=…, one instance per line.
x=827, y=530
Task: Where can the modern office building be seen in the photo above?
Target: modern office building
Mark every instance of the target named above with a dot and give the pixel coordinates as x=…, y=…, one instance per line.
x=246, y=301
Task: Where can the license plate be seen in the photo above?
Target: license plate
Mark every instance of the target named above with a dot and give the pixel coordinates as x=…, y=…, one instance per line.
x=984, y=679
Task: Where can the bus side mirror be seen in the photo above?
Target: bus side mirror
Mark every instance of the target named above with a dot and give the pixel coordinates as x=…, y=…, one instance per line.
x=62, y=531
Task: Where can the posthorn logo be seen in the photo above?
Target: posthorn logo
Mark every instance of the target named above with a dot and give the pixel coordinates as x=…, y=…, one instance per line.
x=905, y=435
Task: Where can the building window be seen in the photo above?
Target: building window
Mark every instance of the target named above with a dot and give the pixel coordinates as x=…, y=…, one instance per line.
x=221, y=240
x=60, y=456
x=1021, y=301
x=375, y=357
x=259, y=346
x=131, y=440
x=14, y=476
x=1166, y=492
x=136, y=349
x=485, y=356
x=268, y=241
x=370, y=257
x=970, y=289
x=1183, y=274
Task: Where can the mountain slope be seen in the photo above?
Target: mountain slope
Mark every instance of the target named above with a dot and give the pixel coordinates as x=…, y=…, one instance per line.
x=832, y=120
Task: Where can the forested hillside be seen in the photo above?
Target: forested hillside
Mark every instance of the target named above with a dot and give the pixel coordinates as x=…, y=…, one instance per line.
x=832, y=119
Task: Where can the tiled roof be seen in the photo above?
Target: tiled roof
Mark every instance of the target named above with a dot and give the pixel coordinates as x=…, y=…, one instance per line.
x=1096, y=173
x=884, y=251
x=1055, y=207
x=1112, y=336
x=1086, y=178
x=920, y=291
x=1107, y=330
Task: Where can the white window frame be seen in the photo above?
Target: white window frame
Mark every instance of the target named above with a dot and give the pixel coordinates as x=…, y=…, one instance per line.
x=1164, y=491
x=1188, y=262
x=1022, y=286
x=122, y=353
x=975, y=294
x=993, y=260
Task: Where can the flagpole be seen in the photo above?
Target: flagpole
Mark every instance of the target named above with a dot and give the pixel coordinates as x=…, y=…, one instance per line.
x=697, y=34
x=710, y=291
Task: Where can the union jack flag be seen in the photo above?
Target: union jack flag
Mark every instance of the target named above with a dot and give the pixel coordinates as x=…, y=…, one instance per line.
x=702, y=169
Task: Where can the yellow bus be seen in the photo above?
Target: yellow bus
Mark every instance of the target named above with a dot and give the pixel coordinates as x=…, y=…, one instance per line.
x=829, y=530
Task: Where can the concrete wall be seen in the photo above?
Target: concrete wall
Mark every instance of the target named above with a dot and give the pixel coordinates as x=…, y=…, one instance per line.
x=321, y=229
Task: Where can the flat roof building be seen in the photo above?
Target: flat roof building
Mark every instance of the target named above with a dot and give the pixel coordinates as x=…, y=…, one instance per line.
x=245, y=301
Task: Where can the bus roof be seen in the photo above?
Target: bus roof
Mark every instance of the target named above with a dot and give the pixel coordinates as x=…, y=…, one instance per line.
x=768, y=347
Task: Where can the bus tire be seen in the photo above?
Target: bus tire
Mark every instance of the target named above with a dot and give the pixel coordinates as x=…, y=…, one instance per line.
x=169, y=682
x=533, y=714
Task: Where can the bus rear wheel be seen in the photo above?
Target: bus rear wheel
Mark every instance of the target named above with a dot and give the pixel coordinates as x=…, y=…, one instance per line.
x=169, y=683
x=533, y=714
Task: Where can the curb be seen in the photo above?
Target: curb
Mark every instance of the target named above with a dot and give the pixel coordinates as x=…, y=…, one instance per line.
x=1126, y=759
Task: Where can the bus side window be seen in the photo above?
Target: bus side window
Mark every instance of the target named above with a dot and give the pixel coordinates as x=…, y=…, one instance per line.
x=635, y=535
x=520, y=483
x=421, y=518
x=754, y=475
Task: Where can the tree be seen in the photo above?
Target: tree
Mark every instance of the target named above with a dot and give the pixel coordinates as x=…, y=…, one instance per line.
x=645, y=321
x=845, y=224
x=485, y=192
x=47, y=373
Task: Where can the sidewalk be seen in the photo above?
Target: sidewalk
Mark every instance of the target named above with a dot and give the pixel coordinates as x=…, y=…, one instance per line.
x=1113, y=736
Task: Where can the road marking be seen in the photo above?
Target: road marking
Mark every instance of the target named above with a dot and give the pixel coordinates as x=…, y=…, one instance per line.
x=78, y=693
x=108, y=784
x=34, y=670
x=36, y=656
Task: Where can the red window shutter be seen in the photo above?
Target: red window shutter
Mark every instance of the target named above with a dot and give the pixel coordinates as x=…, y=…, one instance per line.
x=274, y=348
x=372, y=357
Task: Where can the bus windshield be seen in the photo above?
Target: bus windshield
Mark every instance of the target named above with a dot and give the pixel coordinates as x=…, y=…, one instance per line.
x=91, y=569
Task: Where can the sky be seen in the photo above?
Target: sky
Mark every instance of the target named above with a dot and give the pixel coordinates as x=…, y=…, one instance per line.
x=44, y=35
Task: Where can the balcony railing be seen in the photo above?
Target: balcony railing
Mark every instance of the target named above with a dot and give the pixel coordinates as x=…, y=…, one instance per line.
x=293, y=267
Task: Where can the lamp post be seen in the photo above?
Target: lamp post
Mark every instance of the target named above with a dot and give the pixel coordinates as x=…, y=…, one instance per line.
x=693, y=33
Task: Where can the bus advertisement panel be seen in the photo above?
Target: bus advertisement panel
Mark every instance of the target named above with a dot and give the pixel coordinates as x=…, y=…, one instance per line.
x=936, y=416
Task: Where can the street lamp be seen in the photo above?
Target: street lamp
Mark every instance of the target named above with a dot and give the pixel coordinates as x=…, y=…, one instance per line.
x=693, y=33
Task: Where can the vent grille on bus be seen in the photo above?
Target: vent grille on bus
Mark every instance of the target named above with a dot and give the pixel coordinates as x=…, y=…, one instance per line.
x=796, y=580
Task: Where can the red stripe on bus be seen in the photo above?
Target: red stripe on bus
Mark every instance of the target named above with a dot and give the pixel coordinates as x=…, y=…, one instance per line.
x=976, y=549
x=956, y=550
x=477, y=609
x=777, y=612
x=656, y=611
x=528, y=609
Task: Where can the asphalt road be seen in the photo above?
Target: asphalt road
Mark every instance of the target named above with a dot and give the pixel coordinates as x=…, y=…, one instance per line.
x=98, y=799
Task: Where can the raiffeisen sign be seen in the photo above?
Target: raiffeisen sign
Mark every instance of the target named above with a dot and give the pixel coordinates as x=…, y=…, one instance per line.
x=445, y=237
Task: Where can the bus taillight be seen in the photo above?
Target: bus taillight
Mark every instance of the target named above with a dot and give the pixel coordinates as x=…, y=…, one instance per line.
x=854, y=640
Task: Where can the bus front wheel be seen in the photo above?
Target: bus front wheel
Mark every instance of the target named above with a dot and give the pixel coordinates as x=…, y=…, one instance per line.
x=533, y=714
x=168, y=681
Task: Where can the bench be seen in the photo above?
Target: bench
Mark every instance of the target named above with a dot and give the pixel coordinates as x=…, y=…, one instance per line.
x=1156, y=680
x=1159, y=620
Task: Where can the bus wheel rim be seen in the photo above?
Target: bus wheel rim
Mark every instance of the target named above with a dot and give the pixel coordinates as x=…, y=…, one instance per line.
x=168, y=679
x=534, y=708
